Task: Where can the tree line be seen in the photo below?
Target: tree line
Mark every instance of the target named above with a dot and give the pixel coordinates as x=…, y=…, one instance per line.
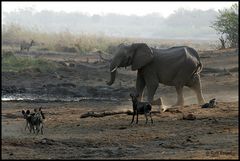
x=182, y=24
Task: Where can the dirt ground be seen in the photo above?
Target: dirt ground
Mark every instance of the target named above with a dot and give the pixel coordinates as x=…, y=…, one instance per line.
x=212, y=135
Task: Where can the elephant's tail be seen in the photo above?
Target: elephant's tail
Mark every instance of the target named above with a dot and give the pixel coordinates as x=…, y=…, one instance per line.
x=194, y=53
x=199, y=68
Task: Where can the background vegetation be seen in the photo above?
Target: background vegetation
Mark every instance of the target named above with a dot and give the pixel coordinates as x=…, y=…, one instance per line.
x=84, y=34
x=13, y=35
x=14, y=63
x=182, y=24
x=227, y=26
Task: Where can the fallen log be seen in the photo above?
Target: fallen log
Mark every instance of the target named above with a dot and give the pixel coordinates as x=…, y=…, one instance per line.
x=108, y=113
x=102, y=58
x=102, y=114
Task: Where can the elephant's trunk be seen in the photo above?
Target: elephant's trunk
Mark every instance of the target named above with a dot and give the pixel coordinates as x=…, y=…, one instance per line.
x=112, y=79
x=113, y=71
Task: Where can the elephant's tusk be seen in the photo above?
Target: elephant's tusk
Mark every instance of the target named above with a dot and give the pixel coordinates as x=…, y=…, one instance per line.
x=114, y=69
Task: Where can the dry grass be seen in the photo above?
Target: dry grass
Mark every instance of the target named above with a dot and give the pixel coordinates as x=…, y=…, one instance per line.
x=66, y=41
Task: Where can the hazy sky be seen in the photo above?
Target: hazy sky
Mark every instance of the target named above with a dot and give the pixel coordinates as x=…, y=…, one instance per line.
x=126, y=8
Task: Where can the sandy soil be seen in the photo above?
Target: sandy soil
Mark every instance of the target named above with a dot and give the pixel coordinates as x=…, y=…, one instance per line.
x=212, y=135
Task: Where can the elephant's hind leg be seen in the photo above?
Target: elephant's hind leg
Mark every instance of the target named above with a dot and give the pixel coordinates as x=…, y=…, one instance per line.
x=196, y=86
x=180, y=99
x=179, y=81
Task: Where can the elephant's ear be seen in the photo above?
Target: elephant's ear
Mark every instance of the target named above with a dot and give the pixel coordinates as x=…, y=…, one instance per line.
x=142, y=55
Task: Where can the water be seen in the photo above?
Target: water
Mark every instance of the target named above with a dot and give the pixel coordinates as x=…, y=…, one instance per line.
x=51, y=98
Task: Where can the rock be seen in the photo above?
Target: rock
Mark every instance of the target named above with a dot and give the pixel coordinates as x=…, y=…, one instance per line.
x=71, y=65
x=47, y=141
x=189, y=117
x=206, y=105
x=43, y=141
x=66, y=85
x=122, y=128
x=212, y=103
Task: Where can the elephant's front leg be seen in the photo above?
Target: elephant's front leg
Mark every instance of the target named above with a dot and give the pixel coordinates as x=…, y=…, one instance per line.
x=151, y=89
x=140, y=84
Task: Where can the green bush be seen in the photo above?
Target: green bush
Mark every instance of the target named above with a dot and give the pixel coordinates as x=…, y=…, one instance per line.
x=227, y=25
x=13, y=63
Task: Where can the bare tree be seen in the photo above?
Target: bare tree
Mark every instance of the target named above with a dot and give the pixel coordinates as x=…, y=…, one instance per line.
x=223, y=42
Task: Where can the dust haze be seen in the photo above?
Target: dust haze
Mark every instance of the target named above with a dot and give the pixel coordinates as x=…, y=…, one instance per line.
x=182, y=24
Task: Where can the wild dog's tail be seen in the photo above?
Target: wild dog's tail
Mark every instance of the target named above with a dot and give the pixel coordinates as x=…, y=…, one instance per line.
x=149, y=107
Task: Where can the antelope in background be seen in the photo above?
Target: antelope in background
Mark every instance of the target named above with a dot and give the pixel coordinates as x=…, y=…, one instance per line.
x=25, y=45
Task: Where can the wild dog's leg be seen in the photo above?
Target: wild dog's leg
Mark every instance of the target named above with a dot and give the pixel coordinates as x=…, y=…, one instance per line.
x=134, y=112
x=137, y=118
x=31, y=128
x=37, y=127
x=26, y=126
x=33, y=124
x=146, y=117
x=150, y=114
x=27, y=118
x=39, y=123
x=41, y=128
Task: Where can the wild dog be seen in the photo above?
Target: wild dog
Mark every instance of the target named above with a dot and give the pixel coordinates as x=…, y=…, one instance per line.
x=28, y=117
x=140, y=108
x=34, y=121
x=37, y=120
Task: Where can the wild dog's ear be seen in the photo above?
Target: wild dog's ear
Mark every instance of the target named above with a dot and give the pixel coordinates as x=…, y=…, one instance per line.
x=28, y=112
x=42, y=115
x=23, y=112
x=35, y=110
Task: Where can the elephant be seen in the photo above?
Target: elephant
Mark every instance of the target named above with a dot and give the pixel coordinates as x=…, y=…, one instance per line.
x=177, y=66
